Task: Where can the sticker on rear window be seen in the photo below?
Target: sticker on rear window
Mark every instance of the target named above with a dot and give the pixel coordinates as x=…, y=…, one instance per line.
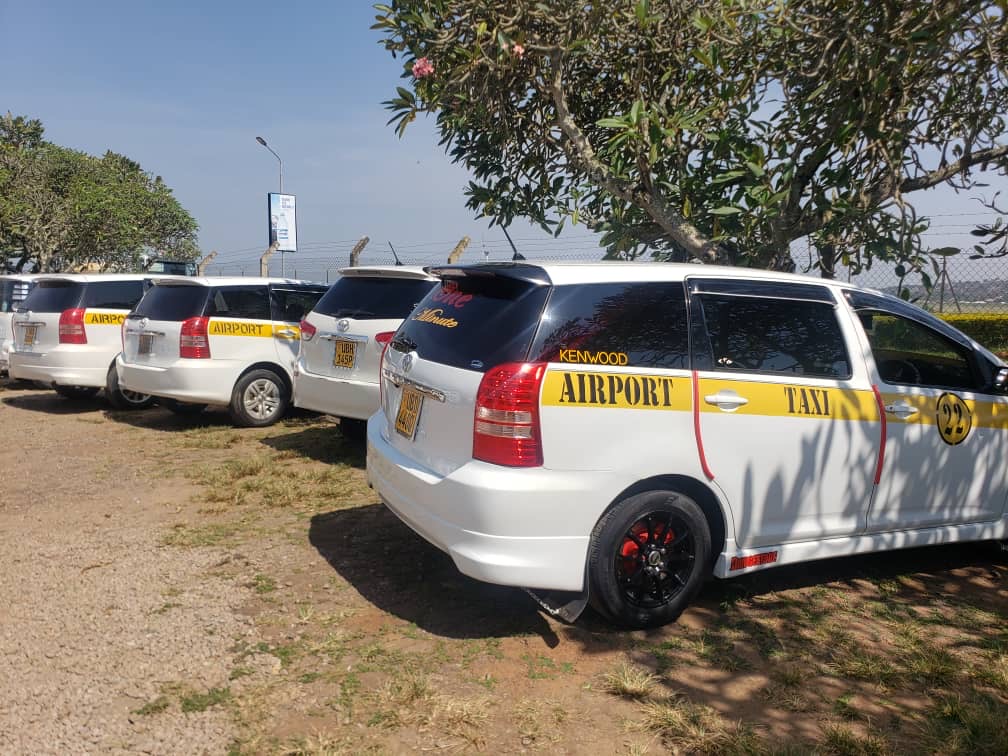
x=436, y=316
x=593, y=357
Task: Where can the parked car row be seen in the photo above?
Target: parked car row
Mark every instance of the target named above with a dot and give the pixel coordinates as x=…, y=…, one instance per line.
x=193, y=342
x=605, y=433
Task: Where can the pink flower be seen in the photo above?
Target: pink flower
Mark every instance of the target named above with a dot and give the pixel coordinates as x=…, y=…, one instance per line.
x=422, y=67
x=518, y=50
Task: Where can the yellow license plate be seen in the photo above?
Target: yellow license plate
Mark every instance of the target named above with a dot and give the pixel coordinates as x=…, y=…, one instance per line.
x=345, y=354
x=145, y=344
x=30, y=332
x=409, y=412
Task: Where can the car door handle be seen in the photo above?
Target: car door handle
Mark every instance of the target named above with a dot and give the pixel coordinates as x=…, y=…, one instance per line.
x=728, y=401
x=901, y=409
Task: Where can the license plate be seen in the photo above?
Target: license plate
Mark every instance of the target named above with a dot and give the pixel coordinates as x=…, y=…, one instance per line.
x=345, y=354
x=145, y=344
x=30, y=332
x=409, y=412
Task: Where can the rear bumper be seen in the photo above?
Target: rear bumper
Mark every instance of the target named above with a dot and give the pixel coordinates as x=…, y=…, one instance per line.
x=195, y=381
x=521, y=527
x=65, y=365
x=333, y=396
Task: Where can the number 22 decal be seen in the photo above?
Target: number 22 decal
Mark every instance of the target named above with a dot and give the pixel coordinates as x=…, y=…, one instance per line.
x=954, y=419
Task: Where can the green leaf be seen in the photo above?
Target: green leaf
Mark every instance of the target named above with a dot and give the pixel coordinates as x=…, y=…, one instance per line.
x=725, y=210
x=611, y=123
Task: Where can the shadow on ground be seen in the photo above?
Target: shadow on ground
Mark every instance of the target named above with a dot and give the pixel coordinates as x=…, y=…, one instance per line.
x=320, y=442
x=51, y=403
x=400, y=573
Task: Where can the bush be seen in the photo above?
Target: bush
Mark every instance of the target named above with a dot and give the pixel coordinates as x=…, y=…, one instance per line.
x=990, y=329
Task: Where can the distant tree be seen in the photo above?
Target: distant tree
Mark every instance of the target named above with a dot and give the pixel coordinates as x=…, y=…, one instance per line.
x=61, y=209
x=720, y=130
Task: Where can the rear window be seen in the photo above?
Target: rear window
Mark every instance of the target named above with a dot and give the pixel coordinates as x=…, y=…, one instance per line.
x=625, y=324
x=474, y=322
x=113, y=295
x=54, y=296
x=373, y=298
x=246, y=302
x=173, y=303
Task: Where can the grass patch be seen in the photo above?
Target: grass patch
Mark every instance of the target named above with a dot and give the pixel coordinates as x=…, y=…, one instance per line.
x=629, y=681
x=263, y=584
x=971, y=724
x=694, y=728
x=196, y=702
x=156, y=706
x=208, y=534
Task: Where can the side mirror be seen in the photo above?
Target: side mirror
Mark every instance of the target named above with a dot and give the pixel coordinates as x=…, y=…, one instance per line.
x=1001, y=379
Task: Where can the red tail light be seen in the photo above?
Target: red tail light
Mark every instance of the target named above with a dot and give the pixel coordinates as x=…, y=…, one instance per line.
x=308, y=331
x=71, y=327
x=384, y=337
x=381, y=369
x=194, y=341
x=506, y=426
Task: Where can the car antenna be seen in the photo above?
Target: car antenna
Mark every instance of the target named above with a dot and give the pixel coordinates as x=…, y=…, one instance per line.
x=397, y=260
x=517, y=255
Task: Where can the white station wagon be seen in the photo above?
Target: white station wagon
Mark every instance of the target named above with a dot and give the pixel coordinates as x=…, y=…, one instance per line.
x=229, y=342
x=619, y=432
x=14, y=290
x=343, y=337
x=67, y=333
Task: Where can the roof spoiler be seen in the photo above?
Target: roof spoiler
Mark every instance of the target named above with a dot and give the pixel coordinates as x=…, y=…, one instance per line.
x=532, y=274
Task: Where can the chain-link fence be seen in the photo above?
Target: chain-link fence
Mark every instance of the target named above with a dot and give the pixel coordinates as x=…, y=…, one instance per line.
x=958, y=283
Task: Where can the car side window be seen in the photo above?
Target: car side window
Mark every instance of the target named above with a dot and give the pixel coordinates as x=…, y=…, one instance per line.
x=290, y=305
x=248, y=302
x=639, y=324
x=909, y=353
x=774, y=335
x=113, y=295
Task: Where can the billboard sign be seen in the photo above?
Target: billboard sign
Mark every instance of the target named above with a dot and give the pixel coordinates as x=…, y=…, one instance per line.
x=282, y=222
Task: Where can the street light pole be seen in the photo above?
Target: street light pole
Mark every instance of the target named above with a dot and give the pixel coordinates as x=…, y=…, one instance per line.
x=262, y=141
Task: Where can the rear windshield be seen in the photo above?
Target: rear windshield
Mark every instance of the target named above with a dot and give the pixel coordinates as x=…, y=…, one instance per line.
x=54, y=296
x=113, y=295
x=474, y=322
x=171, y=303
x=372, y=298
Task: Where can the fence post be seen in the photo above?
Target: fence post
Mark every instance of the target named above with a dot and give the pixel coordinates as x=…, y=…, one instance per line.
x=264, y=260
x=201, y=266
x=459, y=249
x=355, y=252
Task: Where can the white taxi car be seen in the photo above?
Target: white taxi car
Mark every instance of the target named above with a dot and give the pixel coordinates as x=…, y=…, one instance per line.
x=343, y=337
x=199, y=341
x=14, y=289
x=67, y=334
x=619, y=432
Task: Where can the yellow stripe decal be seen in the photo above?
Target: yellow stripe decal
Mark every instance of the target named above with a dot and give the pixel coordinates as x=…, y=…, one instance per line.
x=791, y=400
x=563, y=388
x=105, y=317
x=983, y=414
x=221, y=327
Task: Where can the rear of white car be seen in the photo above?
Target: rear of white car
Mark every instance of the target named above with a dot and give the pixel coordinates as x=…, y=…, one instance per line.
x=343, y=337
x=14, y=290
x=67, y=331
x=227, y=342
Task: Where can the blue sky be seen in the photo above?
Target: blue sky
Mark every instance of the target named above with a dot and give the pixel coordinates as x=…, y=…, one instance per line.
x=185, y=87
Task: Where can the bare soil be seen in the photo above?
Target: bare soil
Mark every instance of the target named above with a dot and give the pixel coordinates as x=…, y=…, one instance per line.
x=175, y=585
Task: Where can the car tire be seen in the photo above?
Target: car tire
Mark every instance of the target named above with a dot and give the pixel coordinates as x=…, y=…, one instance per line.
x=182, y=408
x=124, y=399
x=75, y=392
x=649, y=556
x=353, y=429
x=260, y=398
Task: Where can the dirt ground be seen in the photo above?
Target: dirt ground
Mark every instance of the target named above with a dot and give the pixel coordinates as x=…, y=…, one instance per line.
x=175, y=585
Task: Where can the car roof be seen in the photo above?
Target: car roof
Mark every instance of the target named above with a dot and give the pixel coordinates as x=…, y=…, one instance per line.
x=162, y=280
x=387, y=271
x=565, y=273
x=20, y=276
x=92, y=277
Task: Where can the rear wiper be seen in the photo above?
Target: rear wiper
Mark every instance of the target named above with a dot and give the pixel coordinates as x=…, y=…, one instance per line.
x=403, y=344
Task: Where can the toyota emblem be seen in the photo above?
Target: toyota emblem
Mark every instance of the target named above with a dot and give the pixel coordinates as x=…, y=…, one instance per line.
x=343, y=325
x=407, y=363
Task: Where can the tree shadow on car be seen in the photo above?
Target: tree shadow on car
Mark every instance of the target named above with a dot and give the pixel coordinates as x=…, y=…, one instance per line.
x=402, y=574
x=322, y=443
